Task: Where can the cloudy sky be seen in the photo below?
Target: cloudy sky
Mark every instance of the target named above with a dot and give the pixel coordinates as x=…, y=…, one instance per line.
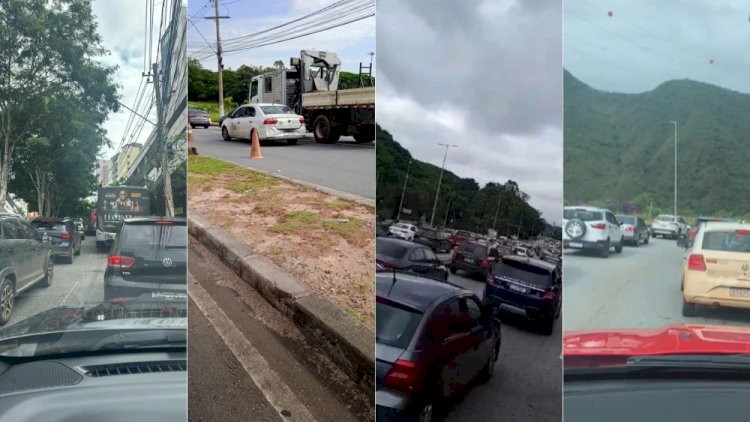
x=484, y=75
x=645, y=43
x=122, y=28
x=352, y=42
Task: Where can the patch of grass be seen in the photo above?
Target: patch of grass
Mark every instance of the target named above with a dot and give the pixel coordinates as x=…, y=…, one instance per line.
x=198, y=179
x=238, y=187
x=275, y=251
x=346, y=228
x=269, y=205
x=200, y=164
x=294, y=221
x=352, y=312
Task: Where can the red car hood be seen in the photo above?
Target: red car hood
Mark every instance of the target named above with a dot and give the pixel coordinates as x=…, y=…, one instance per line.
x=670, y=340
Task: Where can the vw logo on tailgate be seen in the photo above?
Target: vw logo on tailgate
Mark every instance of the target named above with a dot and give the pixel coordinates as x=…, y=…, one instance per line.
x=167, y=262
x=745, y=267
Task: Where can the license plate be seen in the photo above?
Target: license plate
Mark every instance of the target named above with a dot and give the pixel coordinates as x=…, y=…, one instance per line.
x=469, y=260
x=737, y=292
x=168, y=295
x=575, y=245
x=519, y=289
x=63, y=243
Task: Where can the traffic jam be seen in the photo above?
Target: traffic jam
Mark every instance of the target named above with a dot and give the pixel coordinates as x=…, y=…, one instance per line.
x=441, y=297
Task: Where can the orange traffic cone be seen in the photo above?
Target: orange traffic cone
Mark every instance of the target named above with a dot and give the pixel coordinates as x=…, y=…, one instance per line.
x=192, y=150
x=255, y=147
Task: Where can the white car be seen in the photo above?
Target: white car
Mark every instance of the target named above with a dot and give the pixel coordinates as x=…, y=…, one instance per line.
x=403, y=231
x=272, y=121
x=591, y=228
x=669, y=225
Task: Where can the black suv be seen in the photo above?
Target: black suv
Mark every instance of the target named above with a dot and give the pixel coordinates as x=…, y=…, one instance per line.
x=25, y=260
x=433, y=339
x=63, y=234
x=393, y=254
x=526, y=286
x=434, y=239
x=148, y=256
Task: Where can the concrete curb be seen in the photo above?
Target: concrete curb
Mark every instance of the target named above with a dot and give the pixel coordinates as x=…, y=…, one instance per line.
x=346, y=341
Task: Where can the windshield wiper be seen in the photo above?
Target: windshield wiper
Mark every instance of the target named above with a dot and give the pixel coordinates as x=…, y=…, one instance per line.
x=734, y=361
x=690, y=366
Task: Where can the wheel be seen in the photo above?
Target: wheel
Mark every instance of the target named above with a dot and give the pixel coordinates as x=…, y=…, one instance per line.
x=604, y=253
x=7, y=300
x=292, y=141
x=489, y=367
x=78, y=252
x=637, y=242
x=453, y=269
x=225, y=134
x=49, y=272
x=688, y=309
x=548, y=324
x=205, y=126
x=71, y=257
x=192, y=126
x=426, y=412
x=363, y=137
x=323, y=132
x=618, y=247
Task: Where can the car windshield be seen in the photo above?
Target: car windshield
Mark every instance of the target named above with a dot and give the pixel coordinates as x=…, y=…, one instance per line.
x=532, y=274
x=582, y=214
x=276, y=110
x=473, y=248
x=95, y=158
x=395, y=326
x=193, y=111
x=386, y=247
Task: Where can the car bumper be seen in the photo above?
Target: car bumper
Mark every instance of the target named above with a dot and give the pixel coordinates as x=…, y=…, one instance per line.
x=62, y=250
x=699, y=290
x=391, y=406
x=200, y=122
x=118, y=287
x=467, y=267
x=666, y=232
x=515, y=302
x=276, y=134
x=584, y=244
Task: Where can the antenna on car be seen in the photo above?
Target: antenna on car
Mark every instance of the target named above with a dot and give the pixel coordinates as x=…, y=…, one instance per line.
x=393, y=283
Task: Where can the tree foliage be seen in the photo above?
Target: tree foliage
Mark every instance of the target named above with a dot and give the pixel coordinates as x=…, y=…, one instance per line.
x=462, y=204
x=54, y=96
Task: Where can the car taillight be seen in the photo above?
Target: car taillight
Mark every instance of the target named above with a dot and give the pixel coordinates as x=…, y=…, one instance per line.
x=696, y=263
x=66, y=236
x=600, y=226
x=121, y=261
x=484, y=263
x=402, y=376
x=302, y=121
x=692, y=233
x=164, y=223
x=270, y=121
x=548, y=294
x=742, y=231
x=630, y=229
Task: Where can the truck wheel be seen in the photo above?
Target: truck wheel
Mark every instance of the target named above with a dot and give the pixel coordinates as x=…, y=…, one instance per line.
x=323, y=132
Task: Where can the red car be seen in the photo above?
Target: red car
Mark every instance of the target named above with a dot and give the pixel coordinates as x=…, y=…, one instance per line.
x=680, y=372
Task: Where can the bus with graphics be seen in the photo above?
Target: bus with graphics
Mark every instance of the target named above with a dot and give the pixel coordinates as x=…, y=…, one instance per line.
x=116, y=203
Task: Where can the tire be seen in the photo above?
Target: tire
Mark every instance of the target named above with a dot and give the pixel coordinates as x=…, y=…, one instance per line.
x=604, y=253
x=78, y=252
x=489, y=368
x=192, y=126
x=324, y=132
x=426, y=413
x=362, y=138
x=225, y=134
x=205, y=126
x=575, y=229
x=49, y=272
x=618, y=247
x=548, y=325
x=645, y=242
x=453, y=269
x=7, y=300
x=688, y=309
x=637, y=242
x=292, y=141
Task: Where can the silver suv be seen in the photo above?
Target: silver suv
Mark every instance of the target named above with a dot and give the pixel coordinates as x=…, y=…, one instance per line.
x=665, y=225
x=591, y=228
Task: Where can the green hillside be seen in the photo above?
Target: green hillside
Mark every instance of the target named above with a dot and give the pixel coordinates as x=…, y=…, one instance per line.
x=619, y=148
x=472, y=208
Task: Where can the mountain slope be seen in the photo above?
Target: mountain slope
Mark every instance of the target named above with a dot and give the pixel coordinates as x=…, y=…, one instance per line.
x=619, y=148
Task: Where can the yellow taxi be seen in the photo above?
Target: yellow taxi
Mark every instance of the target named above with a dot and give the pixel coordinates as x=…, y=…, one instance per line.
x=716, y=271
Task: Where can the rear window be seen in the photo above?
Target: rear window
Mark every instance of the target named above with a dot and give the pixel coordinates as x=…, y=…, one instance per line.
x=665, y=218
x=583, y=215
x=727, y=241
x=197, y=111
x=49, y=225
x=389, y=249
x=140, y=238
x=626, y=219
x=532, y=274
x=395, y=326
x=276, y=110
x=463, y=233
x=473, y=248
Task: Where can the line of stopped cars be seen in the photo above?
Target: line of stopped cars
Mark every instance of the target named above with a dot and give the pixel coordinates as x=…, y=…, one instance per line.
x=435, y=338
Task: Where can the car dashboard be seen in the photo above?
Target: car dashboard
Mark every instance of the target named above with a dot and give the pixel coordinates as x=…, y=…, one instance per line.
x=107, y=387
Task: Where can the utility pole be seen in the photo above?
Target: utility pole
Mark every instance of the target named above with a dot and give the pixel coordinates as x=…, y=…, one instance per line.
x=403, y=192
x=442, y=169
x=675, y=166
x=168, y=203
x=518, y=232
x=494, y=222
x=220, y=63
x=445, y=223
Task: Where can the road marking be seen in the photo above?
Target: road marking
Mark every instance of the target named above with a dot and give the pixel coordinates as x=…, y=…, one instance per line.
x=268, y=381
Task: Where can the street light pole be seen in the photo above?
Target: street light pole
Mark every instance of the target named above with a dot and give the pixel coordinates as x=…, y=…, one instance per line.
x=440, y=180
x=675, y=165
x=494, y=222
x=403, y=192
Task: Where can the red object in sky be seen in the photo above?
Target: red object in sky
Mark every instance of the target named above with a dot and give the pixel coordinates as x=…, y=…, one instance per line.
x=609, y=13
x=589, y=347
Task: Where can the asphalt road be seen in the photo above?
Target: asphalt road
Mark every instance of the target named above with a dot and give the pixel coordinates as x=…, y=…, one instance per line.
x=527, y=383
x=346, y=166
x=77, y=284
x=639, y=288
x=248, y=362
